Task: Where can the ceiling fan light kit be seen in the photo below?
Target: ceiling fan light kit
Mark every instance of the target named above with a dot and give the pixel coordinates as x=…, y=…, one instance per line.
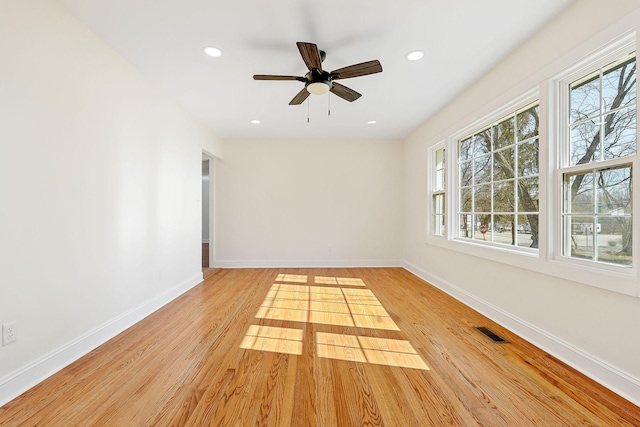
x=319, y=88
x=318, y=82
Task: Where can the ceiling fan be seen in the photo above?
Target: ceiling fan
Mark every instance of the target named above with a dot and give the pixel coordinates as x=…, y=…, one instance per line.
x=318, y=82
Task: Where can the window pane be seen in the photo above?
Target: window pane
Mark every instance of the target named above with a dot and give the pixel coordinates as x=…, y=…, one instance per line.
x=482, y=200
x=585, y=143
x=439, y=184
x=440, y=159
x=466, y=173
x=466, y=225
x=488, y=194
x=503, y=229
x=581, y=236
x=466, y=199
x=597, y=201
x=620, y=134
x=581, y=194
x=614, y=191
x=438, y=225
x=528, y=123
x=438, y=214
x=465, y=149
x=481, y=143
x=503, y=197
x=482, y=169
x=438, y=204
x=503, y=133
x=528, y=195
x=528, y=158
x=619, y=85
x=614, y=240
x=503, y=164
x=482, y=227
x=585, y=98
x=527, y=234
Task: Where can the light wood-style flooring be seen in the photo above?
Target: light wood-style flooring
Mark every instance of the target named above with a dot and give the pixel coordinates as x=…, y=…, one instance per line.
x=317, y=347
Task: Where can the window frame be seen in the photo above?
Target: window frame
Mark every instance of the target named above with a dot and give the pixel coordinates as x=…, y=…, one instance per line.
x=561, y=164
x=515, y=105
x=433, y=191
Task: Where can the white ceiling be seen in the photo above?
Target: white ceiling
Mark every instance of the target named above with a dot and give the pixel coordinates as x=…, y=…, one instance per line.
x=164, y=39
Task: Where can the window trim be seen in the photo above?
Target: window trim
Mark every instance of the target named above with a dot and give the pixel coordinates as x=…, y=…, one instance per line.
x=431, y=191
x=559, y=164
x=453, y=187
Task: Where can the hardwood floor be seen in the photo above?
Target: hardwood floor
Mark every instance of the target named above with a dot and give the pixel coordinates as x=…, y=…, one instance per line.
x=317, y=347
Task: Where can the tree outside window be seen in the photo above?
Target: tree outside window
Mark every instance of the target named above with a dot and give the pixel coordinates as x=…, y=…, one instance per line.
x=498, y=181
x=597, y=190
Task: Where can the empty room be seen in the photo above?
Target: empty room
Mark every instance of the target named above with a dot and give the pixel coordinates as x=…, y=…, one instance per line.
x=298, y=213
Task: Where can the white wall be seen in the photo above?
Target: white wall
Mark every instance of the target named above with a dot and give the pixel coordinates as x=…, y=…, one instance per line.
x=595, y=330
x=100, y=180
x=289, y=202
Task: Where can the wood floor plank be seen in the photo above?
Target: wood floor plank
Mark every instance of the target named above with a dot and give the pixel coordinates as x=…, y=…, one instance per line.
x=317, y=347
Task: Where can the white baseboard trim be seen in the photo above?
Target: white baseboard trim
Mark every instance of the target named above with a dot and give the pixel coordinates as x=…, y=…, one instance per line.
x=310, y=263
x=16, y=383
x=614, y=379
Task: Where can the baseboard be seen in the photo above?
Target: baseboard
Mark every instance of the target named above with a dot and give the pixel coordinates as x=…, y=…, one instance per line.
x=16, y=383
x=310, y=263
x=614, y=379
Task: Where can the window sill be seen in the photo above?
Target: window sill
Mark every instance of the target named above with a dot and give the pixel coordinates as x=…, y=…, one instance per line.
x=622, y=280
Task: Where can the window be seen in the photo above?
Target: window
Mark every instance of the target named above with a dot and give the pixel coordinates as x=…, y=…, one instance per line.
x=597, y=167
x=498, y=181
x=438, y=193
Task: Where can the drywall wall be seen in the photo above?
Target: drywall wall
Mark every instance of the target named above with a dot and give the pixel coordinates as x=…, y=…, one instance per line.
x=100, y=188
x=596, y=330
x=308, y=202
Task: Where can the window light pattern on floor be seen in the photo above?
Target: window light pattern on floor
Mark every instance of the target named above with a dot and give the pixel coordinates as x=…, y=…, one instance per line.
x=379, y=351
x=268, y=338
x=325, y=305
x=292, y=299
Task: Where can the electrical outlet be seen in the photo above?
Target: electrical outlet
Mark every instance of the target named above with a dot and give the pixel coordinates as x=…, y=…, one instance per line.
x=9, y=332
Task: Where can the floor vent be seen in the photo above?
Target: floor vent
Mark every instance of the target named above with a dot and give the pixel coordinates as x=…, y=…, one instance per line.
x=491, y=335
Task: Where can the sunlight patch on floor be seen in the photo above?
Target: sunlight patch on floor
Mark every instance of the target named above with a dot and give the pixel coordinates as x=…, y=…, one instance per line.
x=273, y=339
x=379, y=351
x=292, y=299
x=325, y=305
x=343, y=281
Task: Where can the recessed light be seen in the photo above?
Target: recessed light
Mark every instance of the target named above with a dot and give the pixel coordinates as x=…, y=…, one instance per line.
x=212, y=51
x=255, y=122
x=415, y=55
x=371, y=122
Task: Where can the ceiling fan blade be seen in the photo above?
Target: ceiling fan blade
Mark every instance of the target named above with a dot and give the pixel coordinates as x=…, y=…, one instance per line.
x=310, y=55
x=270, y=77
x=300, y=97
x=344, y=92
x=357, y=70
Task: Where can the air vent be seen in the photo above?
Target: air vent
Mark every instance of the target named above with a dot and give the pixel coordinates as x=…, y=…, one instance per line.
x=491, y=335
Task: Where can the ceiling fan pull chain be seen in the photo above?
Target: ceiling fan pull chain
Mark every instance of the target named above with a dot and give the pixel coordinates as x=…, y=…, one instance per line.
x=329, y=100
x=308, y=110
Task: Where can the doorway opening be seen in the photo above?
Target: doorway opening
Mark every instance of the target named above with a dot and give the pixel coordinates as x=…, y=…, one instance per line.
x=207, y=216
